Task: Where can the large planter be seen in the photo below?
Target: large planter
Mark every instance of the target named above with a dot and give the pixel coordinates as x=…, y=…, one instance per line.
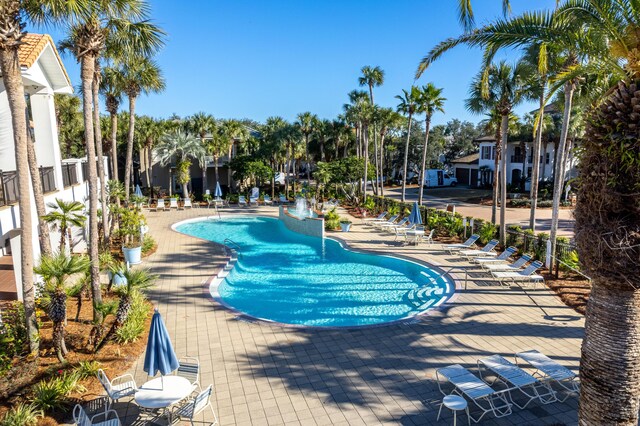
x=117, y=279
x=132, y=256
x=345, y=227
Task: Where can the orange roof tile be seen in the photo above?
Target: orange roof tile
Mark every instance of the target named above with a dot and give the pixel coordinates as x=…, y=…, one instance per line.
x=31, y=48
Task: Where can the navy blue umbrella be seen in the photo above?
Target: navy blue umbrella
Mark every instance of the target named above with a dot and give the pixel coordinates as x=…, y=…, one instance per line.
x=218, y=192
x=160, y=356
x=415, y=218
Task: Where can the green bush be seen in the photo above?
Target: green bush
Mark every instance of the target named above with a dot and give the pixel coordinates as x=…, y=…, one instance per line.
x=487, y=232
x=520, y=202
x=22, y=415
x=49, y=395
x=513, y=232
x=13, y=335
x=545, y=203
x=148, y=244
x=571, y=261
x=134, y=327
x=70, y=382
x=88, y=369
x=331, y=220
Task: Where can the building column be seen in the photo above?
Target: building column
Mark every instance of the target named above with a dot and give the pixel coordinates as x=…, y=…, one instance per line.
x=46, y=134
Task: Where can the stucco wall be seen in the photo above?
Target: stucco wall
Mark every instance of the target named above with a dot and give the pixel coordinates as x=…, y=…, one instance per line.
x=313, y=227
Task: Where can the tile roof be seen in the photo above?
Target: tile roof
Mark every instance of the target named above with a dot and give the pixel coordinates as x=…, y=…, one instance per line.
x=31, y=48
x=468, y=159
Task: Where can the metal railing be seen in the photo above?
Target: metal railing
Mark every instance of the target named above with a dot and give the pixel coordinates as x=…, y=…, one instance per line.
x=8, y=188
x=229, y=241
x=69, y=174
x=47, y=179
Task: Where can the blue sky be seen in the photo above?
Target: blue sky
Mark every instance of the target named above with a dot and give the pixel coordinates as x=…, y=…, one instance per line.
x=255, y=59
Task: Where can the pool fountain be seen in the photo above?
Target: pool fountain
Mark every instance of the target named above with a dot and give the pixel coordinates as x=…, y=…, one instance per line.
x=302, y=208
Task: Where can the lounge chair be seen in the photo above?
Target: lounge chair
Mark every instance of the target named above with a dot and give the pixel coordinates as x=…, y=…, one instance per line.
x=242, y=201
x=481, y=394
x=547, y=368
x=504, y=266
x=391, y=221
x=253, y=201
x=379, y=218
x=268, y=201
x=153, y=207
x=283, y=199
x=387, y=227
x=516, y=378
x=466, y=245
x=186, y=203
x=485, y=251
x=165, y=206
x=502, y=258
x=105, y=418
x=118, y=388
x=173, y=203
x=526, y=274
x=402, y=230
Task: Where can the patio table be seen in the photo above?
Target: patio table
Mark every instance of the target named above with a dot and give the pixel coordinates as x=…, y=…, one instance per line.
x=162, y=392
x=413, y=236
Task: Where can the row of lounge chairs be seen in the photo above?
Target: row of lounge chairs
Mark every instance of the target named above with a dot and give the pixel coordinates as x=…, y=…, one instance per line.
x=399, y=227
x=162, y=204
x=537, y=384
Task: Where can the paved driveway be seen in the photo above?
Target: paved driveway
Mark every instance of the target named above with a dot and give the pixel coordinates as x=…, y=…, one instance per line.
x=268, y=375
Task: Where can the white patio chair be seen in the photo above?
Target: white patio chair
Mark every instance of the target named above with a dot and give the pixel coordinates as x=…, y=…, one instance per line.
x=173, y=203
x=470, y=386
x=253, y=201
x=402, y=230
x=502, y=258
x=487, y=250
x=429, y=238
x=389, y=227
x=242, y=201
x=371, y=220
x=187, y=203
x=283, y=199
x=516, y=378
x=267, y=200
x=189, y=368
x=525, y=275
x=105, y=418
x=464, y=246
x=118, y=388
x=504, y=266
x=165, y=206
x=547, y=368
x=392, y=220
x=195, y=406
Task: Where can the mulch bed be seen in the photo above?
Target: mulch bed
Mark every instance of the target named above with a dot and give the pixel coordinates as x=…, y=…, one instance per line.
x=573, y=289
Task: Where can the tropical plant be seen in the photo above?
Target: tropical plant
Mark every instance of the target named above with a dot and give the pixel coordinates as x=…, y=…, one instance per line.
x=22, y=415
x=13, y=335
x=331, y=220
x=86, y=369
x=112, y=87
x=134, y=326
x=204, y=125
x=429, y=102
x=373, y=76
x=64, y=215
x=407, y=106
x=137, y=280
x=55, y=270
x=233, y=130
x=183, y=146
x=131, y=219
x=307, y=122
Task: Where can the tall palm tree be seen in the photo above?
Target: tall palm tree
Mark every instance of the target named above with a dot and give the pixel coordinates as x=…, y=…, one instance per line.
x=55, y=270
x=141, y=76
x=372, y=76
x=63, y=216
x=14, y=15
x=97, y=133
x=306, y=122
x=388, y=119
x=465, y=13
x=408, y=107
x=184, y=147
x=430, y=101
x=112, y=87
x=203, y=125
x=233, y=130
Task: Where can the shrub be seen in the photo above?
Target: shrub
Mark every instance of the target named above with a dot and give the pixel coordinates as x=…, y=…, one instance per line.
x=487, y=232
x=13, y=335
x=331, y=220
x=148, y=244
x=49, y=395
x=513, y=232
x=88, y=369
x=70, y=382
x=520, y=202
x=22, y=415
x=133, y=327
x=545, y=203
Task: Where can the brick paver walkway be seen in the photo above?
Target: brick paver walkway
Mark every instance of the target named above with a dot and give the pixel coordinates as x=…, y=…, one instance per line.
x=268, y=375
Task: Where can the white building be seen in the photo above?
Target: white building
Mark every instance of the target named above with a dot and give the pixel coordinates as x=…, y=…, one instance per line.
x=43, y=75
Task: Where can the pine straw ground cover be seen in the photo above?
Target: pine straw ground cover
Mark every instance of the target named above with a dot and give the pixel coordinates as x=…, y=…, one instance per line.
x=115, y=359
x=573, y=289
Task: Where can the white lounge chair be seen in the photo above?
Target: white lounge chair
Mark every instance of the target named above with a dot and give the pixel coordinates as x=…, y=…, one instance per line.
x=118, y=388
x=466, y=245
x=283, y=199
x=487, y=250
x=391, y=221
x=402, y=230
x=526, y=274
x=481, y=394
x=195, y=406
x=516, y=378
x=166, y=206
x=267, y=200
x=187, y=203
x=105, y=418
x=173, y=203
x=504, y=266
x=388, y=227
x=547, y=368
x=253, y=201
x=379, y=218
x=502, y=258
x=242, y=201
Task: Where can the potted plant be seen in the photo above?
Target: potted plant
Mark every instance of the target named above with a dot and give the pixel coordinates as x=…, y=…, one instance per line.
x=131, y=220
x=345, y=225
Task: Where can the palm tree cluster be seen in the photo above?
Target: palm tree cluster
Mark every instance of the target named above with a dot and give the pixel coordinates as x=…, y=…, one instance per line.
x=583, y=55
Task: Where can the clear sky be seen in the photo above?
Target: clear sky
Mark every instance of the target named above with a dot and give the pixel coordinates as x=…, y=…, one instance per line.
x=261, y=58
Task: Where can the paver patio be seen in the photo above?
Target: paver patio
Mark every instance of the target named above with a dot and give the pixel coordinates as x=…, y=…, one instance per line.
x=268, y=375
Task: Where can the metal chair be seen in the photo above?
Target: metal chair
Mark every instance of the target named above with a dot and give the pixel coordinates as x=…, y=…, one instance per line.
x=189, y=369
x=80, y=418
x=195, y=406
x=118, y=388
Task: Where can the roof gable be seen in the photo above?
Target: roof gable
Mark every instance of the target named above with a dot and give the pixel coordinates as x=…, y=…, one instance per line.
x=40, y=47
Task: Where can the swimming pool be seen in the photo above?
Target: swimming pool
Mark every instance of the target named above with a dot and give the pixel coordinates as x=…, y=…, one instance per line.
x=295, y=279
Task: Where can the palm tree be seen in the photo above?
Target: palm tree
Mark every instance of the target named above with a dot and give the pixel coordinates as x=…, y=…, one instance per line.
x=183, y=146
x=430, y=101
x=141, y=76
x=465, y=13
x=112, y=87
x=232, y=130
x=55, y=270
x=408, y=107
x=149, y=131
x=306, y=122
x=64, y=215
x=95, y=89
x=373, y=77
x=13, y=18
x=388, y=119
x=137, y=280
x=203, y=125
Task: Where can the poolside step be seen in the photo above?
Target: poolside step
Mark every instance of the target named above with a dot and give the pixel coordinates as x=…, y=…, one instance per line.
x=223, y=274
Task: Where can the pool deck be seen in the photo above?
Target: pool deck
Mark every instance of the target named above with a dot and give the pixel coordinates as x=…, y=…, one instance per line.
x=269, y=375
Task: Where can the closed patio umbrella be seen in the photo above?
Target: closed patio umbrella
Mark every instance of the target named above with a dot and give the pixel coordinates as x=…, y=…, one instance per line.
x=160, y=356
x=218, y=192
x=138, y=191
x=415, y=218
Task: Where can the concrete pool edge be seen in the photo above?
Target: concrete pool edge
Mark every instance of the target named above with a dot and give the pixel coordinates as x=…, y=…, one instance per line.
x=210, y=285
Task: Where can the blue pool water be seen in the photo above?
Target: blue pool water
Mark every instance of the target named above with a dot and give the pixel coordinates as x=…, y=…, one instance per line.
x=291, y=278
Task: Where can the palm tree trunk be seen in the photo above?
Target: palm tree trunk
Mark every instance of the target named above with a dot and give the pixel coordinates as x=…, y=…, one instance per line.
x=306, y=157
x=229, y=174
x=97, y=132
x=12, y=79
x=63, y=239
x=406, y=160
x=147, y=169
x=128, y=168
x=38, y=196
x=86, y=73
x=286, y=173
x=382, y=165
x=569, y=89
x=427, y=126
x=496, y=175
x=503, y=180
x=114, y=146
x=535, y=176
x=366, y=162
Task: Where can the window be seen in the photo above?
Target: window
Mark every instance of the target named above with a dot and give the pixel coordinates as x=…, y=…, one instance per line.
x=548, y=157
x=486, y=152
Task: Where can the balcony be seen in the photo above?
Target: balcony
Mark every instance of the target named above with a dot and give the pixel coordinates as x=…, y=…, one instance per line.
x=8, y=188
x=517, y=158
x=69, y=174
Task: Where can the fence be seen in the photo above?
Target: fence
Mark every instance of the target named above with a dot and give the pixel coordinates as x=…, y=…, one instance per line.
x=48, y=180
x=69, y=174
x=8, y=188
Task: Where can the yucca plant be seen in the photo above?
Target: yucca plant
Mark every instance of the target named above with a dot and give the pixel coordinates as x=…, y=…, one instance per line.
x=138, y=280
x=105, y=309
x=22, y=415
x=87, y=369
x=64, y=215
x=55, y=270
x=49, y=395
